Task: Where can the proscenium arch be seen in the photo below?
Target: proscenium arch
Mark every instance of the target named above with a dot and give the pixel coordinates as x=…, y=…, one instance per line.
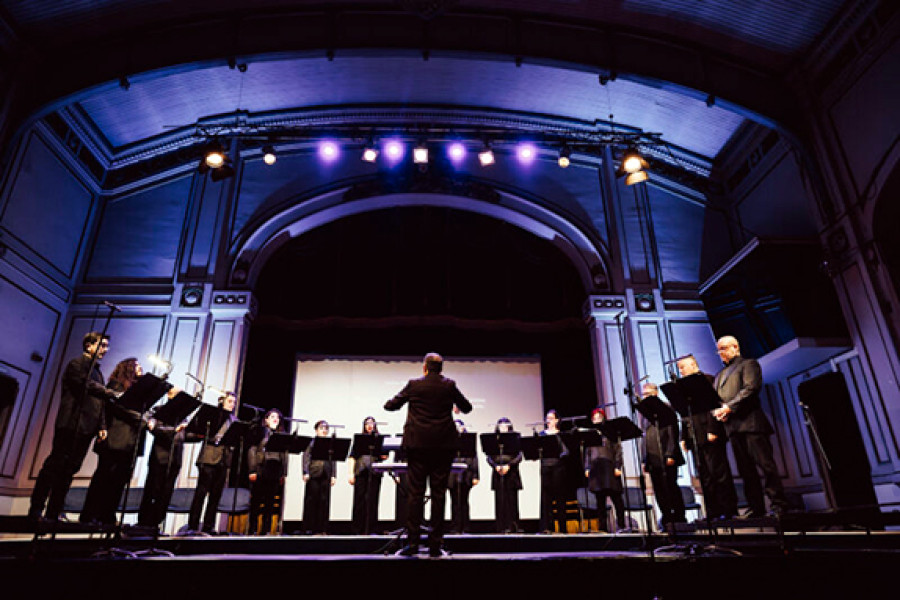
x=588, y=257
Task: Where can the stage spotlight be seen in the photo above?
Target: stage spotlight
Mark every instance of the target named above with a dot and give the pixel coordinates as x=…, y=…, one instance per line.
x=526, y=153
x=370, y=154
x=420, y=154
x=269, y=156
x=456, y=151
x=632, y=161
x=393, y=150
x=214, y=154
x=328, y=150
x=486, y=157
x=633, y=167
x=564, y=159
x=636, y=177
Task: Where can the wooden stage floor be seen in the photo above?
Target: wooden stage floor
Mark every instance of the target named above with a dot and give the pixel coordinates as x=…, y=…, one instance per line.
x=749, y=562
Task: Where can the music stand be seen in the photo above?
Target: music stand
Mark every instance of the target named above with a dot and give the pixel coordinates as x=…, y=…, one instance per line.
x=288, y=442
x=465, y=445
x=538, y=447
x=465, y=448
x=508, y=443
x=618, y=430
x=143, y=393
x=234, y=436
x=584, y=438
x=173, y=413
x=657, y=412
x=138, y=399
x=694, y=395
x=177, y=409
x=203, y=420
x=372, y=445
x=331, y=449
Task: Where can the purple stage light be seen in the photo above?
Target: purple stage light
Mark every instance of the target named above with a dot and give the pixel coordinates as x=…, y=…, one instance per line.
x=393, y=150
x=328, y=150
x=526, y=152
x=456, y=151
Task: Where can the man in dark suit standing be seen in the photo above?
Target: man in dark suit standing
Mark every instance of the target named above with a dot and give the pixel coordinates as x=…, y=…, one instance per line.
x=213, y=464
x=662, y=457
x=81, y=417
x=710, y=453
x=738, y=385
x=429, y=439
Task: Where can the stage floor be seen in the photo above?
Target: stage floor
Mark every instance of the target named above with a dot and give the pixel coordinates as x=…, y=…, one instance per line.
x=748, y=562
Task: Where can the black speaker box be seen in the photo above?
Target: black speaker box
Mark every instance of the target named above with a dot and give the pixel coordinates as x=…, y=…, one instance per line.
x=831, y=412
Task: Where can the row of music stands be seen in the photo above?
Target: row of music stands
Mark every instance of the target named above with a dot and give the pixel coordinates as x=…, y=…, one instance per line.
x=688, y=396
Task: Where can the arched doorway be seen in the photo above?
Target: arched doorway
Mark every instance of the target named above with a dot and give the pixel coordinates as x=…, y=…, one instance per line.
x=407, y=280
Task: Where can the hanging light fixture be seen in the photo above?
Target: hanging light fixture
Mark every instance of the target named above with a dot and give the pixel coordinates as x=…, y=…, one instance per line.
x=486, y=156
x=214, y=154
x=564, y=159
x=633, y=167
x=370, y=153
x=269, y=156
x=420, y=154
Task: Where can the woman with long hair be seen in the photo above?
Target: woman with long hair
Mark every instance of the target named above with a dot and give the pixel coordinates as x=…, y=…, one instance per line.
x=268, y=470
x=365, y=480
x=115, y=454
x=506, y=483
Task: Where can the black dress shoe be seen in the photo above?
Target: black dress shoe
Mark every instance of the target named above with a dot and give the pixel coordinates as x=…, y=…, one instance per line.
x=411, y=550
x=435, y=552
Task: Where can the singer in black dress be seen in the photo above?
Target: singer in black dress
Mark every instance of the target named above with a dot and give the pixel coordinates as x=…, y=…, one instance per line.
x=506, y=483
x=319, y=478
x=267, y=471
x=460, y=484
x=603, y=469
x=366, y=484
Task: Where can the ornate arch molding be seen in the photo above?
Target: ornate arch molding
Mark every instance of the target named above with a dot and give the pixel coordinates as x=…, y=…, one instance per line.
x=249, y=255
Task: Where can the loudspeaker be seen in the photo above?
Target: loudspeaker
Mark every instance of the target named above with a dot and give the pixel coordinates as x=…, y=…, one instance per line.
x=831, y=412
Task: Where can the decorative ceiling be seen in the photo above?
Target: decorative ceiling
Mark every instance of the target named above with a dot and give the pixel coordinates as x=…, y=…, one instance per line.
x=99, y=47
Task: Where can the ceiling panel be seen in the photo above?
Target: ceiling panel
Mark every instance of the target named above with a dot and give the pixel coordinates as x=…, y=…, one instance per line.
x=156, y=104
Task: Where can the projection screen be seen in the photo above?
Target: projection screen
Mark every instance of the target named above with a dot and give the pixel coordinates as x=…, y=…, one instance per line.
x=345, y=390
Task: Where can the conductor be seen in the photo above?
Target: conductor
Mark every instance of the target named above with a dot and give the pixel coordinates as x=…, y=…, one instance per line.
x=429, y=439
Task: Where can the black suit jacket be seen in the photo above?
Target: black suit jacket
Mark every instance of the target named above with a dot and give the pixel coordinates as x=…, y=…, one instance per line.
x=702, y=424
x=79, y=410
x=659, y=448
x=259, y=458
x=213, y=451
x=429, y=419
x=738, y=385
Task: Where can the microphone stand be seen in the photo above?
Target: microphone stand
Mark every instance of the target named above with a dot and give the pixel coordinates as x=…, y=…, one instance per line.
x=630, y=394
x=825, y=464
